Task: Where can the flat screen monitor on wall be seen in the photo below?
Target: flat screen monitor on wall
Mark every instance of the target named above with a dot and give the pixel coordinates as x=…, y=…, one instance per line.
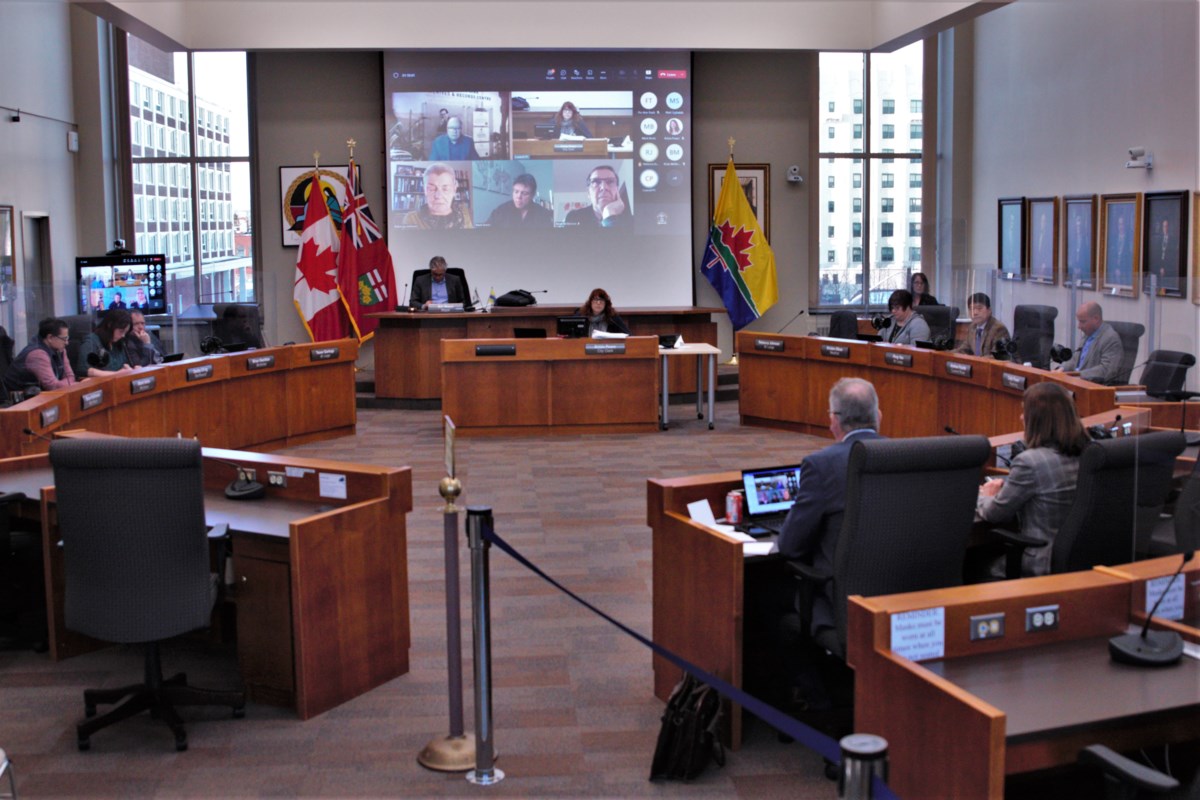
x=129, y=281
x=544, y=170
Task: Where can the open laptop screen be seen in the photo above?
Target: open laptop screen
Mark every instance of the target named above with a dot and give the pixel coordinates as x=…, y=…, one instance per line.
x=771, y=490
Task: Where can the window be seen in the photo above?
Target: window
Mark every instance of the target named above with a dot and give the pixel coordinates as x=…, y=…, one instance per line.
x=830, y=207
x=914, y=130
x=856, y=180
x=829, y=231
x=856, y=255
x=887, y=180
x=832, y=105
x=856, y=229
x=831, y=132
x=914, y=255
x=914, y=204
x=886, y=254
x=914, y=180
x=914, y=229
x=856, y=205
x=858, y=105
x=886, y=204
x=830, y=256
x=889, y=131
x=858, y=130
x=887, y=160
x=889, y=106
x=831, y=181
x=885, y=230
x=914, y=106
x=195, y=178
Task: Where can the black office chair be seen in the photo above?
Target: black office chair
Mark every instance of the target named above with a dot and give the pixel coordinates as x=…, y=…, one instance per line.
x=238, y=324
x=22, y=587
x=459, y=271
x=941, y=321
x=78, y=327
x=1166, y=371
x=1126, y=779
x=136, y=575
x=843, y=325
x=1033, y=331
x=1123, y=486
x=1131, y=334
x=910, y=504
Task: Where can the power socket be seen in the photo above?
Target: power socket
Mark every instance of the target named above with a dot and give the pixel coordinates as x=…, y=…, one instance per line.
x=987, y=626
x=278, y=479
x=247, y=474
x=1041, y=618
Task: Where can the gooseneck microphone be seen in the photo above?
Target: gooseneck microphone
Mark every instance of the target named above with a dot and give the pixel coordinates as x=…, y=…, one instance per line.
x=951, y=431
x=32, y=432
x=241, y=487
x=790, y=321
x=1150, y=648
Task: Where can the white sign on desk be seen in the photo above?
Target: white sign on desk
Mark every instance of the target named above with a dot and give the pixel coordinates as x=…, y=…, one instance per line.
x=1172, y=604
x=332, y=484
x=920, y=635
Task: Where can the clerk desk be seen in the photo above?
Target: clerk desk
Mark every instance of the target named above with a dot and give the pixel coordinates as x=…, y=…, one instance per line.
x=785, y=381
x=408, y=357
x=268, y=398
x=321, y=583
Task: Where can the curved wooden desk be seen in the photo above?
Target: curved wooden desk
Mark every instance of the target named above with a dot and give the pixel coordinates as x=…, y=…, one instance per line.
x=784, y=382
x=408, y=354
x=257, y=399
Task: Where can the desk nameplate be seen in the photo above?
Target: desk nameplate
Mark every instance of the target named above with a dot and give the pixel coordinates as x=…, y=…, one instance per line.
x=324, y=353
x=91, y=399
x=959, y=369
x=898, y=359
x=835, y=351
x=495, y=350
x=1011, y=381
x=49, y=416
x=259, y=362
x=604, y=348
x=144, y=384
x=770, y=345
x=199, y=373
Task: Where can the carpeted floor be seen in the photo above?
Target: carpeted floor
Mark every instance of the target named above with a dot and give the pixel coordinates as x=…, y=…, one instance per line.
x=574, y=711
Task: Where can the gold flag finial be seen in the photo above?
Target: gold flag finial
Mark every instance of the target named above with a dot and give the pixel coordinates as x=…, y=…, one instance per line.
x=731, y=141
x=350, y=143
x=316, y=159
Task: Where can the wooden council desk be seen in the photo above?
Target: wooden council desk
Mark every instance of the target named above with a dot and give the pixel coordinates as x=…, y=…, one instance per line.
x=321, y=582
x=784, y=382
x=560, y=148
x=540, y=386
x=408, y=355
x=260, y=399
x=957, y=724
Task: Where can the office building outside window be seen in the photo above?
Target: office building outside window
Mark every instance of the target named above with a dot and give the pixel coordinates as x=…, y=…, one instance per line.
x=868, y=89
x=191, y=171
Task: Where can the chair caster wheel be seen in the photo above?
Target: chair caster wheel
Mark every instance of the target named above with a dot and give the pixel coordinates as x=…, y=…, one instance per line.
x=85, y=744
x=181, y=745
x=239, y=713
x=89, y=711
x=710, y=426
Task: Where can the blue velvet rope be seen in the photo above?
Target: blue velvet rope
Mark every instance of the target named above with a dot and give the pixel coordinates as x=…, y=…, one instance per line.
x=805, y=735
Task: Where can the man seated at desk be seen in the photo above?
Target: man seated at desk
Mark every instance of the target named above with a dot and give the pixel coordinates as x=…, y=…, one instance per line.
x=452, y=145
x=44, y=362
x=608, y=209
x=522, y=211
x=1098, y=359
x=985, y=329
x=908, y=327
x=141, y=347
x=810, y=531
x=437, y=286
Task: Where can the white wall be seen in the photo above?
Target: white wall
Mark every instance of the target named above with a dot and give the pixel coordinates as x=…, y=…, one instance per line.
x=1061, y=91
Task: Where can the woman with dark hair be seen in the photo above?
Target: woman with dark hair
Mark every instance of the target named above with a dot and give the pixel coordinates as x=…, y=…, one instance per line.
x=601, y=316
x=1040, y=485
x=570, y=122
x=918, y=284
x=103, y=350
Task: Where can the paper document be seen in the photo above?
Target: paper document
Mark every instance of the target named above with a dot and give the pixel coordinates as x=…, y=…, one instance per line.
x=701, y=511
x=757, y=548
x=609, y=335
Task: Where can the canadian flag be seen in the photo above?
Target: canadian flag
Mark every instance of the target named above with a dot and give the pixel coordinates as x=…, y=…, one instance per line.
x=316, y=291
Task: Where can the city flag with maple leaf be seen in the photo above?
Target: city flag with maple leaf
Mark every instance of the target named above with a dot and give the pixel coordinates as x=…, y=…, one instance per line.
x=316, y=294
x=738, y=261
x=365, y=274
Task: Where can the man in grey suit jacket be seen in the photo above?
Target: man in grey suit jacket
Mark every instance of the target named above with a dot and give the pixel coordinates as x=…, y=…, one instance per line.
x=437, y=286
x=1099, y=358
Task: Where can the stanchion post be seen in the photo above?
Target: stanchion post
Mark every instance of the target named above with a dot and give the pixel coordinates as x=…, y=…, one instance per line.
x=864, y=757
x=479, y=522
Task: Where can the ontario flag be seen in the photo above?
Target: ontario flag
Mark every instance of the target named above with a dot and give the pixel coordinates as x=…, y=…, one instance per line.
x=738, y=261
x=316, y=291
x=365, y=273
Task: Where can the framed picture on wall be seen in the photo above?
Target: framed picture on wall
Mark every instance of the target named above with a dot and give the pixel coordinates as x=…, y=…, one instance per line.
x=294, y=183
x=8, y=249
x=1042, y=224
x=1164, y=250
x=1011, y=238
x=1196, y=249
x=1079, y=241
x=1120, y=238
x=755, y=180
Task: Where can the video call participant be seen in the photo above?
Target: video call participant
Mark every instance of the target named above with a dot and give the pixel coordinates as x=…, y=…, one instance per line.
x=607, y=210
x=141, y=348
x=522, y=211
x=1098, y=359
x=107, y=338
x=452, y=145
x=985, y=329
x=43, y=363
x=918, y=286
x=117, y=301
x=1041, y=482
x=601, y=314
x=140, y=301
x=437, y=286
x=440, y=211
x=908, y=327
x=569, y=122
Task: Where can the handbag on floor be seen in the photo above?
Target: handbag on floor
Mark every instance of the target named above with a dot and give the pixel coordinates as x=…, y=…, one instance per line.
x=688, y=741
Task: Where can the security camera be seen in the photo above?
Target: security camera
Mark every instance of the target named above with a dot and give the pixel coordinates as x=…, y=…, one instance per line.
x=1137, y=152
x=793, y=174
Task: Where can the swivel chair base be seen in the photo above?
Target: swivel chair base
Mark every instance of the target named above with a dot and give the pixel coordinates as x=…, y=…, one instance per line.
x=156, y=695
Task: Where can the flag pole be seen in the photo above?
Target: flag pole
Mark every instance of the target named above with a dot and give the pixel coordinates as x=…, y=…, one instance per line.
x=733, y=359
x=351, y=191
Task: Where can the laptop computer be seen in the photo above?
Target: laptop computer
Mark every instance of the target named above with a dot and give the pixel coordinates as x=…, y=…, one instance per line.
x=770, y=494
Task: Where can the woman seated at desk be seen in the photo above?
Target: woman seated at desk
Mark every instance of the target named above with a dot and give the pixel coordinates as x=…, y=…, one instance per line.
x=601, y=315
x=106, y=340
x=569, y=122
x=1040, y=485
